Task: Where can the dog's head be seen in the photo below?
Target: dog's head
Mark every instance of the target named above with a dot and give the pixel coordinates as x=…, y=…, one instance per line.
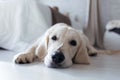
x=63, y=45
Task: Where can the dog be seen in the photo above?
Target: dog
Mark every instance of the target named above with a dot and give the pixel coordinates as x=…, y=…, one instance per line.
x=59, y=47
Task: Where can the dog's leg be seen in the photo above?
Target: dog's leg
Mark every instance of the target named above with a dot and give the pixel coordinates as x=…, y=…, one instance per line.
x=26, y=57
x=91, y=51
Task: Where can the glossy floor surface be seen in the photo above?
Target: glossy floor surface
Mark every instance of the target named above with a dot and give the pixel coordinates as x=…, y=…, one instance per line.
x=102, y=67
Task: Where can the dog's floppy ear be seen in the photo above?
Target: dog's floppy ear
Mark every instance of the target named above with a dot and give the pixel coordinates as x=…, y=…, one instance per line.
x=81, y=56
x=41, y=50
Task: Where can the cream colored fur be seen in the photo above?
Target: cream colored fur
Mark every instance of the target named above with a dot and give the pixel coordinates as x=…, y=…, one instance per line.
x=45, y=47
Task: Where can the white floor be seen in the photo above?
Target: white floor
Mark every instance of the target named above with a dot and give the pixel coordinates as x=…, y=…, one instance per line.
x=102, y=67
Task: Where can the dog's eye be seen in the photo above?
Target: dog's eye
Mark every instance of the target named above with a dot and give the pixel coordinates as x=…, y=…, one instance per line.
x=54, y=38
x=73, y=43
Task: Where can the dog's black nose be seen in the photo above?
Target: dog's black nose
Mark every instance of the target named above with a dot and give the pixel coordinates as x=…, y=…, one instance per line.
x=58, y=58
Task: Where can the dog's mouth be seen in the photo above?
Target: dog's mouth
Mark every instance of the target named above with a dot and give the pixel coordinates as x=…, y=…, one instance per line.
x=54, y=65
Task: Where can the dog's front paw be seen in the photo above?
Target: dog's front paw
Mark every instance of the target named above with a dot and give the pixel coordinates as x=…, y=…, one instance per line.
x=92, y=53
x=24, y=58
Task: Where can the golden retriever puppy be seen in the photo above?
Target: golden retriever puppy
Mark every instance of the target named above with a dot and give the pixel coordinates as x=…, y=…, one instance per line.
x=60, y=46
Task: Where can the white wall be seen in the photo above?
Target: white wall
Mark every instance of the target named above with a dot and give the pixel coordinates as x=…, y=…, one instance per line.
x=77, y=9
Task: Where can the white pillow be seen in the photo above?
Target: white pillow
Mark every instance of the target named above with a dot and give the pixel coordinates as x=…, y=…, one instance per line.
x=112, y=39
